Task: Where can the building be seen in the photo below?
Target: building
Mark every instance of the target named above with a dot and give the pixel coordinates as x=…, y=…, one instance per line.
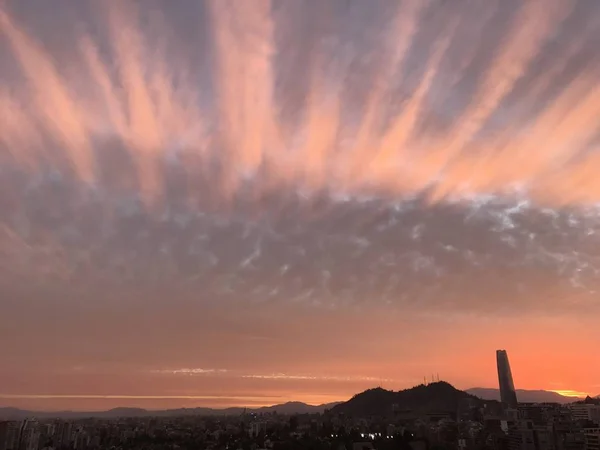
x=508, y=395
x=10, y=432
x=82, y=440
x=256, y=428
x=526, y=435
x=585, y=411
x=592, y=438
x=63, y=434
x=521, y=436
x=567, y=434
x=30, y=435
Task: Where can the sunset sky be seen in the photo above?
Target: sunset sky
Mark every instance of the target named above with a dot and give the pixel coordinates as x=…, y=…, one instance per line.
x=231, y=202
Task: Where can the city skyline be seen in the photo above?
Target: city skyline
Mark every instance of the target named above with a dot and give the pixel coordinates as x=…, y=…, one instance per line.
x=215, y=202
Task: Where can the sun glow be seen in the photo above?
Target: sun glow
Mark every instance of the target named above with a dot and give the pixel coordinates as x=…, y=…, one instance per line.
x=571, y=393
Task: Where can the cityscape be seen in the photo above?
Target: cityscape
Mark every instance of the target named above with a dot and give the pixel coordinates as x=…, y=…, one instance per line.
x=433, y=415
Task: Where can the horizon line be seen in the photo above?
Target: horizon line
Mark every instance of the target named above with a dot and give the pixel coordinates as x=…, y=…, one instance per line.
x=283, y=400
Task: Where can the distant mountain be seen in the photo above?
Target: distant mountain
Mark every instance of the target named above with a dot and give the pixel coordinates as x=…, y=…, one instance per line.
x=18, y=414
x=524, y=396
x=285, y=409
x=296, y=408
x=434, y=397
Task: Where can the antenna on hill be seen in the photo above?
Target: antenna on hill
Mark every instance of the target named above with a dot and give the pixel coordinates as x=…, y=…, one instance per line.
x=425, y=380
x=438, y=377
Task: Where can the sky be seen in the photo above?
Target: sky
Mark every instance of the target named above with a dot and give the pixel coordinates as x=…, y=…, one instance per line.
x=217, y=203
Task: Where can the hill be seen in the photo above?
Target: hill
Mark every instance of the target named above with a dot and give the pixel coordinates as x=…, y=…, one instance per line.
x=284, y=409
x=434, y=397
x=296, y=408
x=590, y=400
x=524, y=396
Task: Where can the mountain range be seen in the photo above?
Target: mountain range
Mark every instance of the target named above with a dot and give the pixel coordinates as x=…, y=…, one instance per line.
x=284, y=408
x=439, y=396
x=525, y=396
x=434, y=397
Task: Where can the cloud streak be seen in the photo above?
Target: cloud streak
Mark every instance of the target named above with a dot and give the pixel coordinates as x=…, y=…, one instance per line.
x=151, y=106
x=283, y=376
x=131, y=397
x=271, y=376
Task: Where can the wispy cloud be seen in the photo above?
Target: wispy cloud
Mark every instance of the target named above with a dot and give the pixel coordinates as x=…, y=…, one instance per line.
x=151, y=106
x=186, y=371
x=136, y=133
x=269, y=376
x=283, y=376
x=132, y=397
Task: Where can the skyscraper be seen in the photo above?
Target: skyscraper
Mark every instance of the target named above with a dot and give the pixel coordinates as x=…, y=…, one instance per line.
x=508, y=395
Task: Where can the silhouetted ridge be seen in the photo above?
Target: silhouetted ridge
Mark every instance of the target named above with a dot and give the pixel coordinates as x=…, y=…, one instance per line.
x=590, y=400
x=435, y=397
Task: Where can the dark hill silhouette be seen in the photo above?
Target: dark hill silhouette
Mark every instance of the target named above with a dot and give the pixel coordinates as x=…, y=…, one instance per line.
x=434, y=397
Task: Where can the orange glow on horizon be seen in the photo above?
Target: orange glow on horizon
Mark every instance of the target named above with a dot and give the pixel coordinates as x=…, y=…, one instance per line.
x=570, y=393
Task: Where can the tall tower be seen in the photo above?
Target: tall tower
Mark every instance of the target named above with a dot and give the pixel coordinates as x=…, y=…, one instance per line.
x=508, y=395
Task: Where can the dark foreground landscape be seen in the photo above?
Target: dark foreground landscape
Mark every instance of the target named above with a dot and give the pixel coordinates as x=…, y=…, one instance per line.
x=426, y=417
